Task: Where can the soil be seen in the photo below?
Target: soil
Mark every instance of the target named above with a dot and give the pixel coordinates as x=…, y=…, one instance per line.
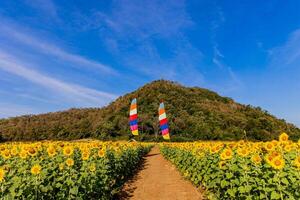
x=158, y=179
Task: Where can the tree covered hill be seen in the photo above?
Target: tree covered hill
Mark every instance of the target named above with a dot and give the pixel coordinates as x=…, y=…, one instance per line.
x=194, y=113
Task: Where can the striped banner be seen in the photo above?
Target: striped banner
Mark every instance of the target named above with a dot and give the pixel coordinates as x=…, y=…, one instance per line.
x=133, y=118
x=163, y=122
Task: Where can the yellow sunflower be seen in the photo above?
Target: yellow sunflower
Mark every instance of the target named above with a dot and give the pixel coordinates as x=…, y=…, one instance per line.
x=226, y=154
x=14, y=151
x=68, y=150
x=101, y=153
x=36, y=169
x=69, y=162
x=269, y=146
x=297, y=162
x=61, y=166
x=256, y=159
x=222, y=164
x=243, y=152
x=92, y=167
x=283, y=137
x=6, y=154
x=288, y=148
x=23, y=154
x=2, y=174
x=278, y=163
x=85, y=155
x=32, y=151
x=51, y=151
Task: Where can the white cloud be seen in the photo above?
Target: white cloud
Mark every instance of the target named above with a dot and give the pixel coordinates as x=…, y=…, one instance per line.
x=13, y=31
x=45, y=6
x=12, y=110
x=143, y=19
x=73, y=92
x=135, y=32
x=288, y=54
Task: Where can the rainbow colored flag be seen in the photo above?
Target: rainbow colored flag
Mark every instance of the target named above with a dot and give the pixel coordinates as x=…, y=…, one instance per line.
x=133, y=117
x=163, y=121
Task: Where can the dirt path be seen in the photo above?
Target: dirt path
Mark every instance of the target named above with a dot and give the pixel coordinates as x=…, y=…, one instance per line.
x=159, y=180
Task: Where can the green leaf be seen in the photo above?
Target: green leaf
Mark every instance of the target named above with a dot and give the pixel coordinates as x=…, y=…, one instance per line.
x=285, y=181
x=74, y=190
x=275, y=195
x=223, y=183
x=242, y=189
x=231, y=192
x=229, y=175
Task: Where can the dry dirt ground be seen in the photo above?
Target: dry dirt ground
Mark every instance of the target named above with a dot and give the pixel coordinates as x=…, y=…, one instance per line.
x=158, y=179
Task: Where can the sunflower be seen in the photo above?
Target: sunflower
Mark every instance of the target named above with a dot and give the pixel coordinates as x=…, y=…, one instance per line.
x=256, y=159
x=51, y=151
x=243, y=152
x=214, y=149
x=101, y=153
x=283, y=137
x=271, y=156
x=6, y=167
x=85, y=155
x=288, y=148
x=2, y=174
x=222, y=164
x=269, y=146
x=61, y=166
x=23, y=154
x=226, y=154
x=92, y=167
x=32, y=151
x=297, y=162
x=278, y=163
x=6, y=154
x=69, y=162
x=68, y=150
x=36, y=169
x=14, y=151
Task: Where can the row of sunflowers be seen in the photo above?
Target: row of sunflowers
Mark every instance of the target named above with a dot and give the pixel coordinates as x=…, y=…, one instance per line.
x=242, y=169
x=67, y=170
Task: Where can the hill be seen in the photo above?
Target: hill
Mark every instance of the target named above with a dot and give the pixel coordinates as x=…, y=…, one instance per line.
x=194, y=113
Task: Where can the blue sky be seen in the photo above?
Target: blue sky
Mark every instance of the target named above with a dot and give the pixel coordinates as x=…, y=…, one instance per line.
x=55, y=55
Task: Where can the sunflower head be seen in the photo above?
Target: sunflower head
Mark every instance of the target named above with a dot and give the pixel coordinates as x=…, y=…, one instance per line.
x=6, y=154
x=69, y=162
x=51, y=151
x=269, y=146
x=32, y=151
x=92, y=167
x=61, y=166
x=2, y=174
x=256, y=159
x=297, y=162
x=226, y=154
x=278, y=163
x=283, y=137
x=36, y=169
x=23, y=154
x=68, y=150
x=288, y=148
x=222, y=164
x=243, y=152
x=101, y=153
x=85, y=155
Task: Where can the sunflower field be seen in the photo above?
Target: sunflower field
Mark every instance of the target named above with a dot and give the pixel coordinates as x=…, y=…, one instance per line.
x=240, y=170
x=67, y=170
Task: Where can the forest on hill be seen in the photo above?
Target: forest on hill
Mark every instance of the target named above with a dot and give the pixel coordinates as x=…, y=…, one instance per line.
x=194, y=114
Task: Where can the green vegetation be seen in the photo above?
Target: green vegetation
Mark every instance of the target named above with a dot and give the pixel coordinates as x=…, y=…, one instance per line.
x=194, y=113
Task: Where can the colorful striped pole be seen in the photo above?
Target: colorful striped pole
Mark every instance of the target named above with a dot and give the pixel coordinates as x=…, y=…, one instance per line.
x=133, y=118
x=163, y=122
